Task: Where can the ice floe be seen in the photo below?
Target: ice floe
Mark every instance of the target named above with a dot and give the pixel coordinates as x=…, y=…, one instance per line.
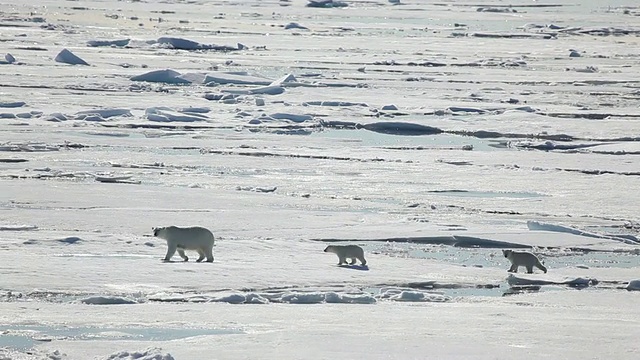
x=148, y=354
x=67, y=57
x=100, y=43
x=163, y=76
x=522, y=280
x=107, y=300
x=634, y=285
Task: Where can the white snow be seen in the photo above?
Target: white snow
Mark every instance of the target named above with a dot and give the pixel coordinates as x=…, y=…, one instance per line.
x=432, y=136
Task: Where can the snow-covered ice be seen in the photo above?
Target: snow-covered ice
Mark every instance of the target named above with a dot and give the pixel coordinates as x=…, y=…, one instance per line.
x=432, y=135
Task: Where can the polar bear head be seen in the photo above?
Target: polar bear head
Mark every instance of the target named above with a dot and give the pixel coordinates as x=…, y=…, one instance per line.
x=157, y=230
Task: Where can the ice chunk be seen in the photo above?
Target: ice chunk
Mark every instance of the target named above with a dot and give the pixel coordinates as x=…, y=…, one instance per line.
x=634, y=285
x=238, y=78
x=67, y=57
x=99, y=43
x=326, y=4
x=295, y=25
x=107, y=300
x=148, y=354
x=106, y=113
x=165, y=76
x=12, y=104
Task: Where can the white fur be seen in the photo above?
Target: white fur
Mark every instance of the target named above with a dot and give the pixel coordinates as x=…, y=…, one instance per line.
x=189, y=238
x=523, y=258
x=345, y=252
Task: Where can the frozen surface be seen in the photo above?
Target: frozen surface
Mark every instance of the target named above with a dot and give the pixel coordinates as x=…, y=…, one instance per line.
x=431, y=134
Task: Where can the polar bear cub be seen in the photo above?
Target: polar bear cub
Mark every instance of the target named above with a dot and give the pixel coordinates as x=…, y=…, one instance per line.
x=523, y=258
x=187, y=238
x=345, y=252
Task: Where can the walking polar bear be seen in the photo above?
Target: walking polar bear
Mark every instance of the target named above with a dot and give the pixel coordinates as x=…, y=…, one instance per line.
x=187, y=238
x=344, y=252
x=523, y=258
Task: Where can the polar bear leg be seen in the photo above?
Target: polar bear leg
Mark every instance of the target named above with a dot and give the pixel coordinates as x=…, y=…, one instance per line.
x=513, y=268
x=362, y=261
x=183, y=255
x=170, y=251
x=201, y=257
x=341, y=260
x=209, y=254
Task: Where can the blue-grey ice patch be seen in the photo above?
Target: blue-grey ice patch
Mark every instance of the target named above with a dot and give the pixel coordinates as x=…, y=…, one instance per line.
x=102, y=114
x=56, y=117
x=237, y=78
x=70, y=240
x=634, y=285
x=162, y=76
x=291, y=117
x=326, y=4
x=18, y=227
x=540, y=226
x=550, y=145
x=333, y=103
x=264, y=90
x=197, y=110
x=295, y=25
x=165, y=114
x=107, y=300
x=460, y=109
x=12, y=104
x=185, y=44
x=287, y=80
x=67, y=57
x=29, y=115
x=401, y=128
x=261, y=189
x=528, y=280
x=193, y=77
x=8, y=59
x=111, y=43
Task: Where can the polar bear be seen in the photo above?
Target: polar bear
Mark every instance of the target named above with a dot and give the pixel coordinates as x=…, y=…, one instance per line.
x=345, y=252
x=187, y=238
x=523, y=258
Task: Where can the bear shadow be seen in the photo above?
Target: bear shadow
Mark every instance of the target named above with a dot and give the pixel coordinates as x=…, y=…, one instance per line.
x=355, y=267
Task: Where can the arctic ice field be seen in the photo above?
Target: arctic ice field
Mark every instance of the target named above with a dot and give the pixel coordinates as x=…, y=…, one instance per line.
x=433, y=134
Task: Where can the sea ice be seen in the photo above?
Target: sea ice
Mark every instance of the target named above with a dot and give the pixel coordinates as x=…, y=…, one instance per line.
x=67, y=57
x=164, y=76
x=99, y=43
x=8, y=59
x=148, y=354
x=633, y=285
x=107, y=300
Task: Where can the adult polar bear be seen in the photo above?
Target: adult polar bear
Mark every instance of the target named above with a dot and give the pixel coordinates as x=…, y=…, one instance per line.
x=187, y=238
